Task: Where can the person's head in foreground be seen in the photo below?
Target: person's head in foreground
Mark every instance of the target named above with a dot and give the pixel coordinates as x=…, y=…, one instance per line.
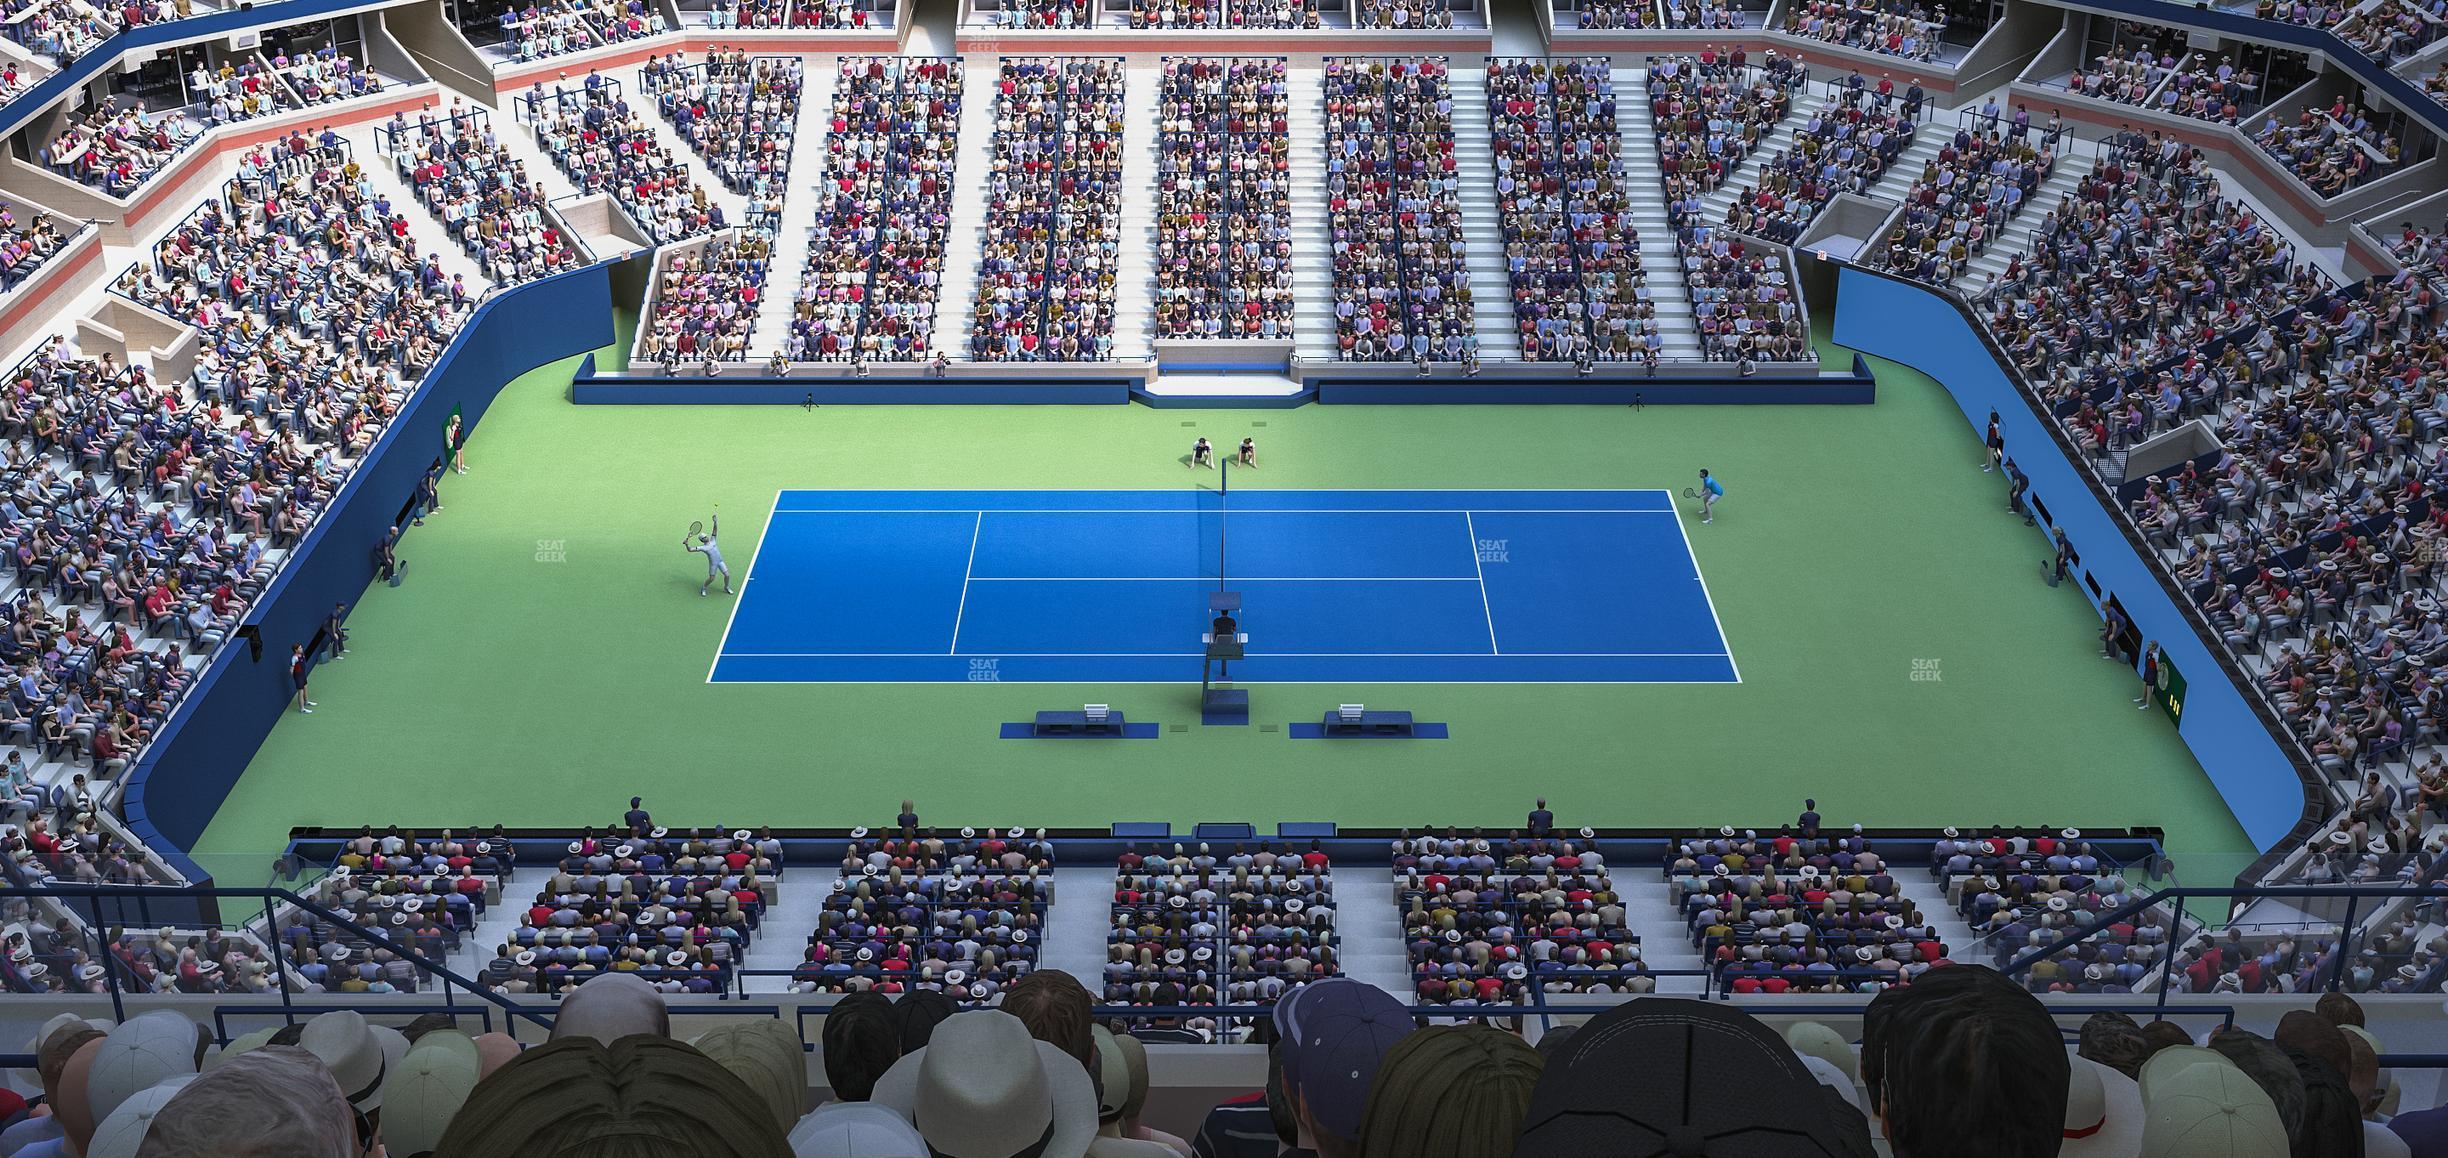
x=983, y=1088
x=1962, y=1053
x=2199, y=1105
x=1454, y=1091
x=860, y=1043
x=1663, y=1077
x=273, y=1102
x=642, y=1096
x=1335, y=1033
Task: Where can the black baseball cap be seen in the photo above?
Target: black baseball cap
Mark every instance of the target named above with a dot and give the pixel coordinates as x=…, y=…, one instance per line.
x=1661, y=1077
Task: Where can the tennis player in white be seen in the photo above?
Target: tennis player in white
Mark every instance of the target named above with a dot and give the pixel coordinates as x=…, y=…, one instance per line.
x=712, y=550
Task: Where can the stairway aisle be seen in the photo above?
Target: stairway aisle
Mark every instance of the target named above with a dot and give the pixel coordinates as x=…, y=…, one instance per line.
x=781, y=940
x=790, y=243
x=520, y=138
x=734, y=206
x=483, y=943
x=1797, y=114
x=973, y=160
x=1313, y=327
x=2015, y=238
x=1645, y=188
x=1135, y=264
x=1930, y=897
x=1651, y=915
x=1371, y=929
x=423, y=226
x=1076, y=923
x=1899, y=177
x=1482, y=223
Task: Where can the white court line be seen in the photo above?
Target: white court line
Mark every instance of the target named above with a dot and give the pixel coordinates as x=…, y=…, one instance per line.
x=1473, y=529
x=1211, y=579
x=753, y=555
x=1288, y=491
x=1195, y=511
x=964, y=599
x=1701, y=579
x=1671, y=508
x=1252, y=655
x=1245, y=680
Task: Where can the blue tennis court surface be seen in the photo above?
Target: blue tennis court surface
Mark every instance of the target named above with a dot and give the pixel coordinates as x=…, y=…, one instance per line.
x=1336, y=587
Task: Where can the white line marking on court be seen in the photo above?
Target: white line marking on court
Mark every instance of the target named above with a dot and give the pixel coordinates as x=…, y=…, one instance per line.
x=1211, y=579
x=721, y=646
x=1193, y=511
x=1252, y=655
x=1292, y=490
x=1701, y=579
x=1473, y=530
x=1270, y=683
x=963, y=609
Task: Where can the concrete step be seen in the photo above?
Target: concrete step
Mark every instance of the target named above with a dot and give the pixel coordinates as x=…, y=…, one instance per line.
x=790, y=247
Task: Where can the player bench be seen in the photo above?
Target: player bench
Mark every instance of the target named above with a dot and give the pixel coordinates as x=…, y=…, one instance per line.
x=1367, y=724
x=1077, y=724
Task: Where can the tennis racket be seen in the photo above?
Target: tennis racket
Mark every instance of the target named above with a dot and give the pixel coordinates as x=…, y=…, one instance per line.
x=1689, y=493
x=697, y=527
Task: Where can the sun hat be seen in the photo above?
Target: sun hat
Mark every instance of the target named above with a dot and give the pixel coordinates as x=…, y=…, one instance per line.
x=2103, y=1112
x=856, y=1130
x=1113, y=1075
x=422, y=1093
x=973, y=1091
x=347, y=1047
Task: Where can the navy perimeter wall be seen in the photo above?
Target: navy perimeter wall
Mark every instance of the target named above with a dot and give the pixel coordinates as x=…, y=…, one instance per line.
x=2253, y=771
x=187, y=772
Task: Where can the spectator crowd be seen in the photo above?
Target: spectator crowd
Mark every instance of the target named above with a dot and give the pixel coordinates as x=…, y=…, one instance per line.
x=875, y=256
x=1052, y=231
x=1223, y=202
x=1401, y=283
x=1579, y=293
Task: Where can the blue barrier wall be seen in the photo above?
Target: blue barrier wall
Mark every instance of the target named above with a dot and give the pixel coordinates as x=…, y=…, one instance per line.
x=205, y=745
x=1917, y=327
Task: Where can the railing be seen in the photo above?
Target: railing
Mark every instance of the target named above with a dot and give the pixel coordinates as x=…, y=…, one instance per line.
x=2331, y=975
x=90, y=897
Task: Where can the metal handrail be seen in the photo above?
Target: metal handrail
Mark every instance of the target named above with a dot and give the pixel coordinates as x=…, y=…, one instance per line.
x=94, y=895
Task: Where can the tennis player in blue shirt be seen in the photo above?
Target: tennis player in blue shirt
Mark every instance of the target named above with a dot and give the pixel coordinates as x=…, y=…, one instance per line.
x=1710, y=491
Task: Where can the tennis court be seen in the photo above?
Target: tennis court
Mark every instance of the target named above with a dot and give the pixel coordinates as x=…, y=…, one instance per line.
x=1337, y=586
